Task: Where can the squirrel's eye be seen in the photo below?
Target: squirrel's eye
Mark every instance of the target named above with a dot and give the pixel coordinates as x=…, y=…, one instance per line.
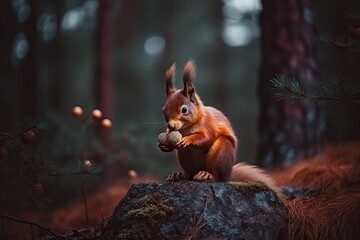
x=184, y=109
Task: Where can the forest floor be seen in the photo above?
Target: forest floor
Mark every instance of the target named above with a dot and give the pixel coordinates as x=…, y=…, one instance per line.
x=72, y=219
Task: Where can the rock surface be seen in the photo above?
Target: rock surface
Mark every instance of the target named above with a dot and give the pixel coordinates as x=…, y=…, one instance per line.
x=197, y=210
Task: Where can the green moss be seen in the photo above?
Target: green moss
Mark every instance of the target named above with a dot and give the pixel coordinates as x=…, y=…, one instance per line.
x=130, y=233
x=151, y=212
x=249, y=188
x=153, y=206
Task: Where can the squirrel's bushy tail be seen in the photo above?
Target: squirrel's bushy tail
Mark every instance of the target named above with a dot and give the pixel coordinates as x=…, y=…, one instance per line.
x=249, y=173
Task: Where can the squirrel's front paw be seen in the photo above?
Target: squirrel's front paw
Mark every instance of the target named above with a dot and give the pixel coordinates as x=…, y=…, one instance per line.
x=165, y=148
x=202, y=176
x=183, y=143
x=174, y=177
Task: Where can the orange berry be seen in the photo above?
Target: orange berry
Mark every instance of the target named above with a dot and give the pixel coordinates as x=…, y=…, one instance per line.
x=96, y=114
x=106, y=123
x=87, y=164
x=77, y=111
x=28, y=136
x=132, y=174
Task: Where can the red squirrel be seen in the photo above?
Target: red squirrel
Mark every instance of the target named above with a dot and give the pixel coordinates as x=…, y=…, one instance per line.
x=207, y=150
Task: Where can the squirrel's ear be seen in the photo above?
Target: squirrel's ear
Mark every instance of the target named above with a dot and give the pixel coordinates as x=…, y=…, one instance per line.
x=170, y=80
x=189, y=75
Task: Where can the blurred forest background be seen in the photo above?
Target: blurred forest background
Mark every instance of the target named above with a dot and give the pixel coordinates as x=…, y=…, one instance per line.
x=112, y=55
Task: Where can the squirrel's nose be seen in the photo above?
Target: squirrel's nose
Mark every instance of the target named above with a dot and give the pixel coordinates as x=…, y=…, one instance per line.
x=171, y=126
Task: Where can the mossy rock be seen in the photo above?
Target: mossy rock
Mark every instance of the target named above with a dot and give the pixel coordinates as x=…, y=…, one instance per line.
x=197, y=210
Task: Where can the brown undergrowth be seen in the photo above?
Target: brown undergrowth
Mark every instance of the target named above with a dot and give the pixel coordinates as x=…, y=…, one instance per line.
x=100, y=205
x=334, y=212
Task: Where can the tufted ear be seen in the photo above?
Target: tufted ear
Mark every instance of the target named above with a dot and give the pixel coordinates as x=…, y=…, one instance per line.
x=189, y=76
x=170, y=80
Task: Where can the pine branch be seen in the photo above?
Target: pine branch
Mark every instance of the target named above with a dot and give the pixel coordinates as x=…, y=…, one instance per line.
x=352, y=14
x=28, y=153
x=341, y=41
x=77, y=168
x=336, y=88
x=20, y=220
x=30, y=122
x=287, y=87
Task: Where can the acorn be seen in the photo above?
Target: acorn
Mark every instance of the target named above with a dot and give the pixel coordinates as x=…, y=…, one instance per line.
x=171, y=138
x=28, y=137
x=162, y=138
x=174, y=137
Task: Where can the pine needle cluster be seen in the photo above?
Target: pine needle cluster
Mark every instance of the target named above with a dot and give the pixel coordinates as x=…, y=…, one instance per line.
x=336, y=86
x=26, y=162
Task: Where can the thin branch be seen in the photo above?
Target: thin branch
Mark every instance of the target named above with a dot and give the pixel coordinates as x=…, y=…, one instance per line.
x=60, y=174
x=328, y=98
x=9, y=136
x=17, y=141
x=334, y=89
x=83, y=192
x=341, y=41
x=3, y=227
x=16, y=219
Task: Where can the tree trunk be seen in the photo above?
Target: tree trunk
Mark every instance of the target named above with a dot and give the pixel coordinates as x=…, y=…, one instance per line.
x=288, y=130
x=103, y=78
x=10, y=99
x=30, y=75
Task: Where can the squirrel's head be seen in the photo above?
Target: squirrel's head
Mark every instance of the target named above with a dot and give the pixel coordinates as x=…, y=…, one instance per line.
x=183, y=107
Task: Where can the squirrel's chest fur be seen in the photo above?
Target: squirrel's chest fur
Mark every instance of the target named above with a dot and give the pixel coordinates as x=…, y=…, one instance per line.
x=192, y=160
x=214, y=125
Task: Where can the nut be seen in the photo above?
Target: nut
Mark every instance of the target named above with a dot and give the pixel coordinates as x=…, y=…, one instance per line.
x=162, y=138
x=174, y=137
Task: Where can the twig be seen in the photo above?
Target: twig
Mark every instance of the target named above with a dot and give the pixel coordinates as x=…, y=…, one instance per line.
x=318, y=98
x=16, y=219
x=32, y=232
x=3, y=227
x=331, y=98
x=21, y=164
x=87, y=123
x=58, y=174
x=8, y=136
x=85, y=205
